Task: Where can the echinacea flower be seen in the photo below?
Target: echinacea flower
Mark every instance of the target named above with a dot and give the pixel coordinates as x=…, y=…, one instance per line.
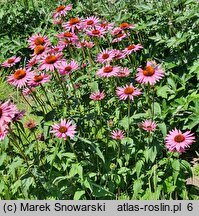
x=71, y=37
x=90, y=22
x=123, y=72
x=30, y=124
x=107, y=26
x=3, y=131
x=11, y=61
x=32, y=62
x=62, y=10
x=20, y=77
x=27, y=91
x=67, y=68
x=108, y=71
x=151, y=74
x=105, y=56
x=128, y=92
x=96, y=32
x=64, y=129
x=126, y=25
x=38, y=39
x=72, y=24
x=118, y=34
x=118, y=54
x=176, y=141
x=7, y=112
x=87, y=44
x=117, y=134
x=39, y=79
x=96, y=96
x=50, y=61
x=148, y=125
x=39, y=50
x=132, y=48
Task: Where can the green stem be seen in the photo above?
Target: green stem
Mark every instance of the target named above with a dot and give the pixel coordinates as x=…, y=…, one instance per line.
x=129, y=109
x=72, y=148
x=54, y=156
x=43, y=89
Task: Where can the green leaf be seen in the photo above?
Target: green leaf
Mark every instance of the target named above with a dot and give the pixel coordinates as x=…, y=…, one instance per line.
x=78, y=194
x=162, y=91
x=163, y=128
x=99, y=153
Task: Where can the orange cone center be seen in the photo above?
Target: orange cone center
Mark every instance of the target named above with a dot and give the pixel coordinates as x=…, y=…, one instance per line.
x=129, y=90
x=51, y=59
x=108, y=69
x=19, y=74
x=39, y=41
x=148, y=71
x=63, y=129
x=60, y=8
x=179, y=138
x=38, y=78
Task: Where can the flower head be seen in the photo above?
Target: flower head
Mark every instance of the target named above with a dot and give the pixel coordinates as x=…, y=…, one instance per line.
x=128, y=92
x=7, y=112
x=68, y=68
x=90, y=22
x=62, y=10
x=105, y=56
x=117, y=134
x=30, y=124
x=11, y=61
x=148, y=125
x=96, y=96
x=96, y=32
x=20, y=77
x=124, y=72
x=64, y=129
x=72, y=24
x=132, y=48
x=126, y=25
x=50, y=62
x=3, y=131
x=176, y=141
x=151, y=74
x=38, y=39
x=39, y=79
x=108, y=71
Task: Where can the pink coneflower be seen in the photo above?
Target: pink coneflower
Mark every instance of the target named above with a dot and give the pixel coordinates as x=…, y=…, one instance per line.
x=3, y=131
x=126, y=25
x=118, y=54
x=20, y=77
x=71, y=37
x=64, y=129
x=108, y=71
x=96, y=32
x=30, y=124
x=87, y=44
x=117, y=134
x=38, y=39
x=119, y=35
x=7, y=112
x=11, y=61
x=123, y=72
x=33, y=61
x=90, y=22
x=62, y=10
x=106, y=26
x=68, y=68
x=39, y=79
x=72, y=24
x=50, y=62
x=55, y=49
x=176, y=141
x=27, y=91
x=132, y=48
x=39, y=50
x=105, y=56
x=96, y=96
x=148, y=125
x=128, y=92
x=150, y=74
